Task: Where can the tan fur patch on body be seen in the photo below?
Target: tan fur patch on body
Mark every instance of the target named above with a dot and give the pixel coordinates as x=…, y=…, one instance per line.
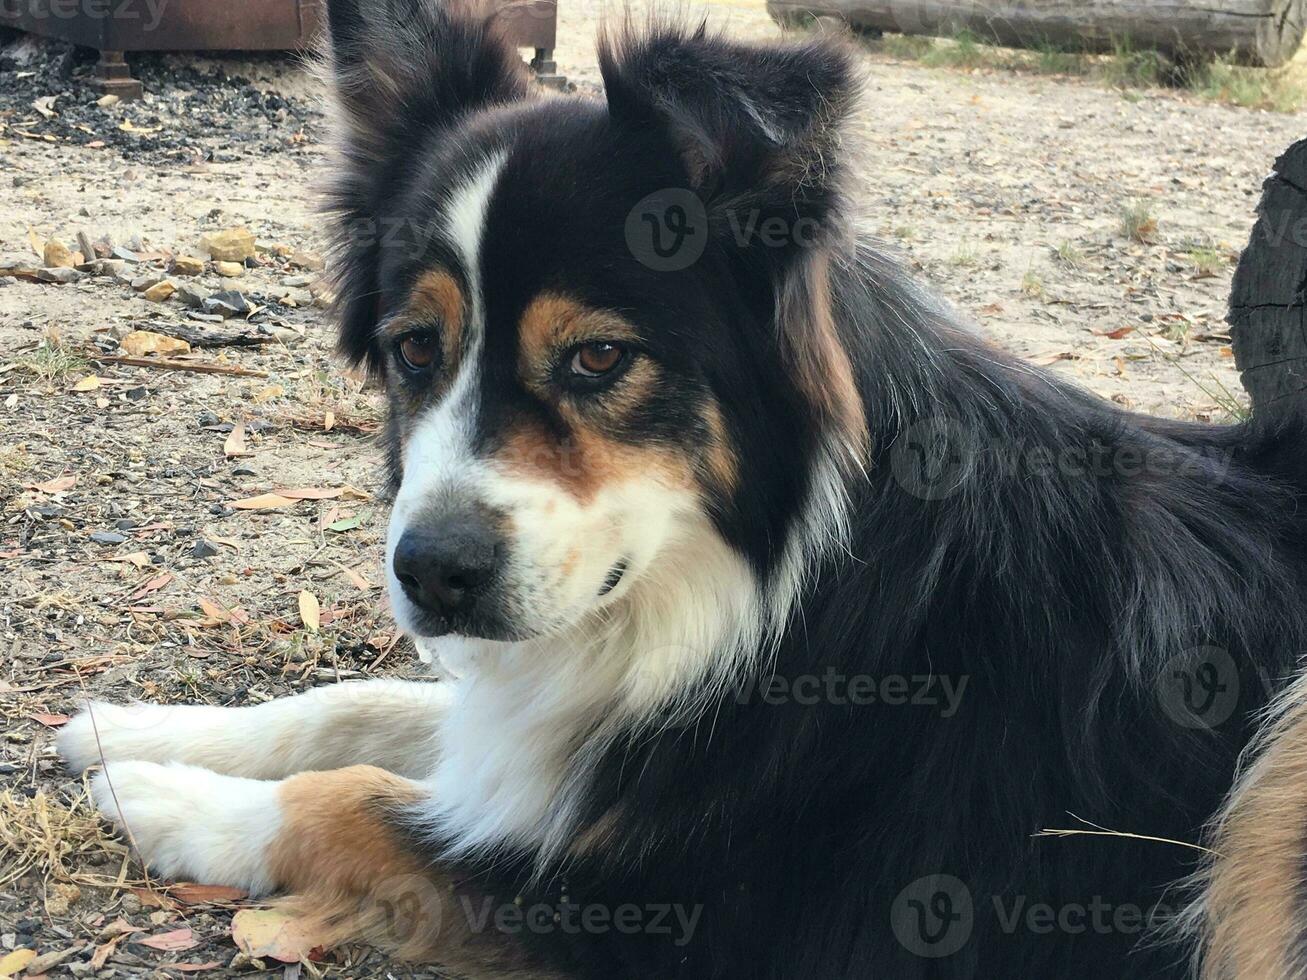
x=356, y=881
x=822, y=367
x=1255, y=914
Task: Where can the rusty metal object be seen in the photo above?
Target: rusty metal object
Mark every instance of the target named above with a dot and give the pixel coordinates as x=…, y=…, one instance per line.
x=116, y=26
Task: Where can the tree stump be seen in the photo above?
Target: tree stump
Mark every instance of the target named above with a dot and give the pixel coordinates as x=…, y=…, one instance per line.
x=1268, y=303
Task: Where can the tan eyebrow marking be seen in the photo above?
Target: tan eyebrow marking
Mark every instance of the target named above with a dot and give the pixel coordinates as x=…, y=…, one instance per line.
x=553, y=321
x=435, y=298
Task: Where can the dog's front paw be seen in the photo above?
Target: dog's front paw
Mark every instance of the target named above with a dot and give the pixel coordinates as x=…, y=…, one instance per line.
x=189, y=823
x=106, y=732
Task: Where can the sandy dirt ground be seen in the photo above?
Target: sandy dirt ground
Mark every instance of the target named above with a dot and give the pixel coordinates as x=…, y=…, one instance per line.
x=132, y=561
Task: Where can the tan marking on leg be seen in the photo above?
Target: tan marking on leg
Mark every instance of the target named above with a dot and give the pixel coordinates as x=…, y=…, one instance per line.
x=356, y=879
x=1255, y=914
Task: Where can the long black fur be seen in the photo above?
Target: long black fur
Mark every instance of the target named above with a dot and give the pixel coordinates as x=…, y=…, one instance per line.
x=1072, y=568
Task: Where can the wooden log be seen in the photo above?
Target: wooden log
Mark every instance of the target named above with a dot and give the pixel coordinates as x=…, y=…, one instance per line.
x=1268, y=305
x=1263, y=33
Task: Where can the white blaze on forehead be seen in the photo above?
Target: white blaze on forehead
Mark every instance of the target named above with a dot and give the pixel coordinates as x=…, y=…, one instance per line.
x=439, y=445
x=438, y=455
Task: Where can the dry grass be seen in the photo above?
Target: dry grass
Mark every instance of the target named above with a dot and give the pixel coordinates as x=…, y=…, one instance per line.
x=53, y=839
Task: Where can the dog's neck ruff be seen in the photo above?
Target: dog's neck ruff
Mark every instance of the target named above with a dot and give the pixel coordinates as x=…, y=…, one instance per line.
x=531, y=719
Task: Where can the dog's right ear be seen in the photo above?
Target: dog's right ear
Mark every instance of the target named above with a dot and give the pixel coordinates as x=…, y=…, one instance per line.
x=399, y=70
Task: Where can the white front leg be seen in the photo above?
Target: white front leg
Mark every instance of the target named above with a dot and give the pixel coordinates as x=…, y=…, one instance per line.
x=390, y=724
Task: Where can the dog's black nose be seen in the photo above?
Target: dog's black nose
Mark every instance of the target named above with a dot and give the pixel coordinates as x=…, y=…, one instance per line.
x=444, y=568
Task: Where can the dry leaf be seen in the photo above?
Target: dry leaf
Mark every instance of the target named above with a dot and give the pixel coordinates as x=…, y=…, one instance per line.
x=235, y=442
x=213, y=610
x=194, y=967
x=273, y=934
x=312, y=493
x=195, y=894
x=171, y=942
x=141, y=342
x=48, y=720
x=356, y=577
x=1119, y=332
x=264, y=501
x=268, y=393
x=328, y=420
x=138, y=558
x=11, y=964
x=88, y=383
x=231, y=543
x=57, y=485
x=153, y=585
x=152, y=899
x=310, y=611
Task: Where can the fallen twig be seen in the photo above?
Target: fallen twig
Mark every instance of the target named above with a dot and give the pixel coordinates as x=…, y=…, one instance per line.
x=170, y=364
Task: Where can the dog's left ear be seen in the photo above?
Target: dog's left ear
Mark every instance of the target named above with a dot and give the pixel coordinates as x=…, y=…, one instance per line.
x=400, y=72
x=755, y=126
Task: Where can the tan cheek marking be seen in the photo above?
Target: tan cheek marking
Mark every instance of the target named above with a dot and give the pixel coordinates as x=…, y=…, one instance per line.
x=585, y=463
x=719, y=457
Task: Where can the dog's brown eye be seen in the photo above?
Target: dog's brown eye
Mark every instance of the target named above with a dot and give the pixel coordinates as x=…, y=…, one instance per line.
x=418, y=351
x=596, y=359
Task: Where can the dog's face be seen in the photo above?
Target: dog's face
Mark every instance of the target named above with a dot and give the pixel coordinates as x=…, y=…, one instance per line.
x=572, y=402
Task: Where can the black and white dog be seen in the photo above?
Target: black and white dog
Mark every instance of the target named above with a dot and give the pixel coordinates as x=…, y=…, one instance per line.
x=784, y=611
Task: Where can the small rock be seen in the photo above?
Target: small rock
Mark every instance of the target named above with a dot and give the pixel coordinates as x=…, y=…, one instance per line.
x=311, y=261
x=228, y=270
x=60, y=275
x=136, y=394
x=105, y=101
x=108, y=267
x=141, y=342
x=142, y=283
x=230, y=245
x=16, y=262
x=204, y=317
x=297, y=280
x=160, y=291
x=7, y=281
x=126, y=254
x=61, y=897
x=108, y=537
x=187, y=265
x=86, y=247
x=227, y=303
x=57, y=255
x=192, y=294
x=203, y=549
